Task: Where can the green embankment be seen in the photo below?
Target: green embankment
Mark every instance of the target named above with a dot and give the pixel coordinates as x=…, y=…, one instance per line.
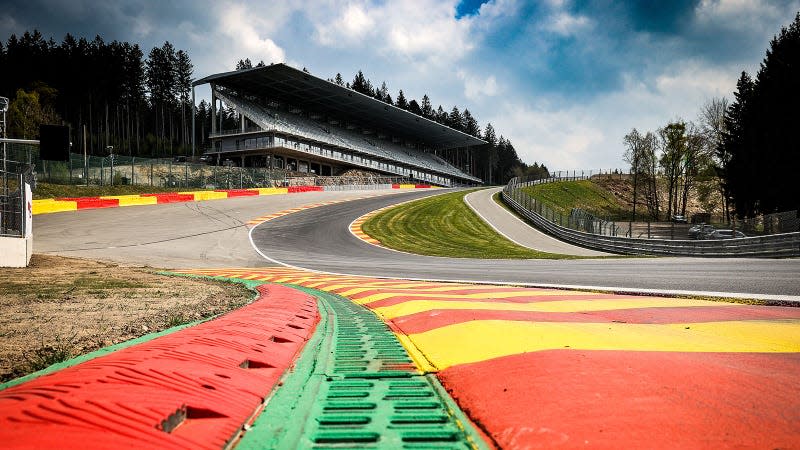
x=444, y=225
x=585, y=194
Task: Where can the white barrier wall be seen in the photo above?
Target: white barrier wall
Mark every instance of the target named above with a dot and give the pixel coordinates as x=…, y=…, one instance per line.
x=15, y=251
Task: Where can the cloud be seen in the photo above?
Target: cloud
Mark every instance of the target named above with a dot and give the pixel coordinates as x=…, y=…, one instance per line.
x=476, y=88
x=241, y=36
x=353, y=24
x=566, y=24
x=560, y=138
x=423, y=32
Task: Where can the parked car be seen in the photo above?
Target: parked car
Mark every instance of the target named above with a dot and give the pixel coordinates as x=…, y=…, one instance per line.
x=208, y=159
x=700, y=231
x=725, y=234
x=677, y=218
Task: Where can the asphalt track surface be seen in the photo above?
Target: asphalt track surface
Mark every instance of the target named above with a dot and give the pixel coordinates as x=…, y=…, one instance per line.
x=516, y=230
x=204, y=234
x=319, y=239
x=214, y=234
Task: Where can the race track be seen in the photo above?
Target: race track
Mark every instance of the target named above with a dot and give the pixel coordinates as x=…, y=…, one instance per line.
x=319, y=239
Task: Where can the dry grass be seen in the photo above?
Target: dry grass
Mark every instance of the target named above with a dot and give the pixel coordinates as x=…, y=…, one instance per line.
x=60, y=307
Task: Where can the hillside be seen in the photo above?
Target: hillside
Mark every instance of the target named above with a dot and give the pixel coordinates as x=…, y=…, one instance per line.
x=612, y=198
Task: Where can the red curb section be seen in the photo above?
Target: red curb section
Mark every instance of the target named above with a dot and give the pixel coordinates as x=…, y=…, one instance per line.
x=170, y=197
x=625, y=399
x=92, y=202
x=296, y=189
x=436, y=318
x=238, y=192
x=194, y=388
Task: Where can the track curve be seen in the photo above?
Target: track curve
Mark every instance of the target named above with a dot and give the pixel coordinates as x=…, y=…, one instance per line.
x=319, y=239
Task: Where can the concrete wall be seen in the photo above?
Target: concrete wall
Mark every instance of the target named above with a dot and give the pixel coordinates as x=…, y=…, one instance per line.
x=15, y=251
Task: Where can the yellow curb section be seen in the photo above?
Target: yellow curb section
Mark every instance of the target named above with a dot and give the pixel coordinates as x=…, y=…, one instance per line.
x=416, y=355
x=206, y=195
x=50, y=205
x=487, y=339
x=271, y=191
x=131, y=200
x=567, y=306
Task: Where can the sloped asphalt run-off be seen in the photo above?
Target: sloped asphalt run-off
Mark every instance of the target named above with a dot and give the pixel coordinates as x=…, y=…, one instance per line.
x=194, y=388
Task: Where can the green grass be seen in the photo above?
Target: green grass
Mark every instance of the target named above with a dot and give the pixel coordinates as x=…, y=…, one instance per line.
x=49, y=190
x=585, y=194
x=444, y=225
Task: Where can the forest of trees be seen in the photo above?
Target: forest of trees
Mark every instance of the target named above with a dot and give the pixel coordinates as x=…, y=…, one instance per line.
x=760, y=150
x=141, y=104
x=748, y=149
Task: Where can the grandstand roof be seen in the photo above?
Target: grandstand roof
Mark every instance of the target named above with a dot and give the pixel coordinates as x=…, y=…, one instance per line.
x=296, y=87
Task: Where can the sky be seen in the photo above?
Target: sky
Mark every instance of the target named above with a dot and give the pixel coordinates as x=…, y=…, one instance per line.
x=564, y=80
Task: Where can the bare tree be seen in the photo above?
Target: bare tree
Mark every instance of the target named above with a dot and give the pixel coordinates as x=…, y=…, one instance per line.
x=640, y=154
x=712, y=125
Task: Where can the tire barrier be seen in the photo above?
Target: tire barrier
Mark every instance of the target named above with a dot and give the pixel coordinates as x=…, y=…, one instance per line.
x=194, y=388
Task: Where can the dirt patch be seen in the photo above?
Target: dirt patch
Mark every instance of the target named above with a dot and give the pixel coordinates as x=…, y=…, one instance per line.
x=703, y=197
x=60, y=308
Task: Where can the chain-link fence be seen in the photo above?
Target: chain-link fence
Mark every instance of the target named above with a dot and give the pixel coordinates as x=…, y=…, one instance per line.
x=14, y=176
x=162, y=172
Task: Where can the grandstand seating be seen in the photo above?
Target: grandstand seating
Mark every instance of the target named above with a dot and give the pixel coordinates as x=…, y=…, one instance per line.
x=381, y=154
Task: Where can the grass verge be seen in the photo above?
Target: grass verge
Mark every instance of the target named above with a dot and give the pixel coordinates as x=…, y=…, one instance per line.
x=49, y=190
x=444, y=225
x=584, y=194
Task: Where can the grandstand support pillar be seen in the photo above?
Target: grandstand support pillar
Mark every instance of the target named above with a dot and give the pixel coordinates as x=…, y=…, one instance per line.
x=241, y=122
x=213, y=109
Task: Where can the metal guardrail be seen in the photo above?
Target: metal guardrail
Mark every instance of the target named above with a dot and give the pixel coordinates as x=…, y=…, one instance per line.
x=770, y=246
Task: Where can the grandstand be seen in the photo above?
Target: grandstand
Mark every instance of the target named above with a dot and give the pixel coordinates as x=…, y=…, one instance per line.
x=292, y=120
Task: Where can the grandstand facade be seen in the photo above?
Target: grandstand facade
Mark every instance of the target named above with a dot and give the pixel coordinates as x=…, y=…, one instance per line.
x=292, y=120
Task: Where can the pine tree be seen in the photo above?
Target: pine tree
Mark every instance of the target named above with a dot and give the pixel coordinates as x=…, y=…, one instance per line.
x=471, y=126
x=455, y=120
x=244, y=64
x=427, y=109
x=338, y=80
x=760, y=142
x=401, y=101
x=413, y=107
x=183, y=78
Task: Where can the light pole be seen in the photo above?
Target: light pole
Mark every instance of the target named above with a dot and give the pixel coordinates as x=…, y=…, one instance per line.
x=110, y=149
x=4, y=108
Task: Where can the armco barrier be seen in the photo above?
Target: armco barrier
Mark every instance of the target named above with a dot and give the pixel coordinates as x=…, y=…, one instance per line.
x=194, y=388
x=771, y=246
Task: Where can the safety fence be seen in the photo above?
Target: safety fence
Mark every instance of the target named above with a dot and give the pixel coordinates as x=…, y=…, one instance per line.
x=172, y=172
x=582, y=228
